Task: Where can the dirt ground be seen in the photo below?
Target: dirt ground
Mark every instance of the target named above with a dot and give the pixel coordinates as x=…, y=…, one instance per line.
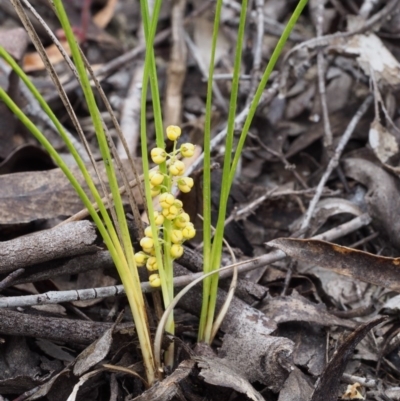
x=313, y=213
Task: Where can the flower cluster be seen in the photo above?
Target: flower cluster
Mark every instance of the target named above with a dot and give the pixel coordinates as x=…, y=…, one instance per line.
x=181, y=228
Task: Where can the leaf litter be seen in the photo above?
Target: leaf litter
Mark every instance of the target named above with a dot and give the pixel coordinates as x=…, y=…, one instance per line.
x=310, y=326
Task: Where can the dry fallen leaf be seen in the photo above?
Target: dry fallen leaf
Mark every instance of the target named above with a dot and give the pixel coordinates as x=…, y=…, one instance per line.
x=383, y=197
x=328, y=385
x=382, y=142
x=363, y=266
x=373, y=57
x=352, y=392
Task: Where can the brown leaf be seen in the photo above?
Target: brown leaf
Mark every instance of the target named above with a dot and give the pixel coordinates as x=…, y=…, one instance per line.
x=382, y=142
x=328, y=385
x=363, y=266
x=94, y=353
x=218, y=373
x=295, y=308
x=383, y=197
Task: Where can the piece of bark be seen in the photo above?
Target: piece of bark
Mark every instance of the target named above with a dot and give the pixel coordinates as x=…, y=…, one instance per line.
x=74, y=265
x=22, y=324
x=41, y=195
x=70, y=239
x=171, y=386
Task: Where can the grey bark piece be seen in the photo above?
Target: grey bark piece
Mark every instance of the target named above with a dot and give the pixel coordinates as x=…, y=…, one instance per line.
x=82, y=332
x=70, y=239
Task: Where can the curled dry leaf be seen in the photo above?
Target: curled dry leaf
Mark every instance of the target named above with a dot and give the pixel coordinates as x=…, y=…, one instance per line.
x=328, y=385
x=296, y=387
x=93, y=354
x=296, y=308
x=214, y=371
x=373, y=57
x=382, y=142
x=327, y=208
x=352, y=392
x=363, y=266
x=383, y=197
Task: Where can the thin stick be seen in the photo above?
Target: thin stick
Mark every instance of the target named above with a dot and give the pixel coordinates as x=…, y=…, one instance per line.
x=335, y=161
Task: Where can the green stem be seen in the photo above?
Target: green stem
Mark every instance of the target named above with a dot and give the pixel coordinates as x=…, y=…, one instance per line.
x=207, y=261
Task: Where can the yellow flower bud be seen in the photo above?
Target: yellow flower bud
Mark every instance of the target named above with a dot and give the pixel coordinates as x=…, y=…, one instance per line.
x=185, y=184
x=148, y=232
x=189, y=232
x=147, y=243
x=166, y=200
x=156, y=178
x=176, y=251
x=140, y=259
x=154, y=191
x=177, y=168
x=173, y=132
x=152, y=264
x=181, y=220
x=176, y=236
x=171, y=212
x=158, y=155
x=158, y=218
x=187, y=149
x=178, y=203
x=154, y=280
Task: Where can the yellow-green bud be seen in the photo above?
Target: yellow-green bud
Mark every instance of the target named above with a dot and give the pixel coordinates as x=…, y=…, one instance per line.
x=189, y=232
x=185, y=184
x=148, y=232
x=156, y=178
x=187, y=149
x=158, y=155
x=176, y=251
x=147, y=243
x=176, y=236
x=171, y=212
x=158, y=218
x=154, y=191
x=177, y=168
x=152, y=264
x=154, y=280
x=173, y=132
x=166, y=200
x=181, y=220
x=140, y=259
x=178, y=203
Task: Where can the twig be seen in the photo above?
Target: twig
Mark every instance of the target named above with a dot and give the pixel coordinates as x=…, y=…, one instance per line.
x=318, y=14
x=8, y=281
x=203, y=69
x=239, y=119
x=333, y=163
x=54, y=297
x=130, y=113
x=257, y=52
x=176, y=71
x=244, y=211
